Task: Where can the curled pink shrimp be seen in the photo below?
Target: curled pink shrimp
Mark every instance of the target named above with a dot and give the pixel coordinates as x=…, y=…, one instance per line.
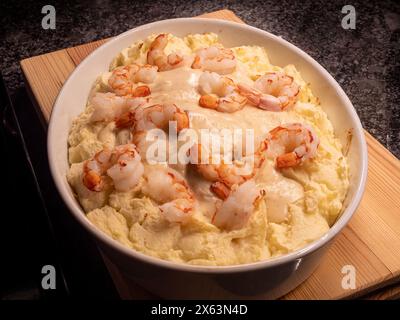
x=225, y=176
x=124, y=79
x=167, y=187
x=237, y=208
x=155, y=116
x=215, y=59
x=122, y=164
x=157, y=57
x=291, y=144
x=219, y=93
x=274, y=91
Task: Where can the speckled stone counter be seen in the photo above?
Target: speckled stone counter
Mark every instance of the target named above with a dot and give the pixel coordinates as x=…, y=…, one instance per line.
x=365, y=61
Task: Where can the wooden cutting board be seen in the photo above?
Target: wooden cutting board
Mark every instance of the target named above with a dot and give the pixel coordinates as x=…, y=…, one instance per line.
x=370, y=242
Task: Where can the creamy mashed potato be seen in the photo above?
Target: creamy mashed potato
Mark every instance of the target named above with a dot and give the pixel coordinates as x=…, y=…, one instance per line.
x=300, y=203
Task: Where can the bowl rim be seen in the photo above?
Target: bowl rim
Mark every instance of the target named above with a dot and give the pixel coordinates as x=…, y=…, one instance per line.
x=346, y=215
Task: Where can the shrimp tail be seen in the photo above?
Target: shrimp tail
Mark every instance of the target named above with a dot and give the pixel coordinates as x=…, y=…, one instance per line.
x=220, y=189
x=287, y=160
x=126, y=120
x=141, y=91
x=93, y=181
x=209, y=101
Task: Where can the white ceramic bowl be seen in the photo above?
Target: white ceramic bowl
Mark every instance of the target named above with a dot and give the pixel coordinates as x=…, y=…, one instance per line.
x=264, y=279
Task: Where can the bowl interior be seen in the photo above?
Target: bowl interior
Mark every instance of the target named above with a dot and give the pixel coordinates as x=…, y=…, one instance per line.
x=72, y=98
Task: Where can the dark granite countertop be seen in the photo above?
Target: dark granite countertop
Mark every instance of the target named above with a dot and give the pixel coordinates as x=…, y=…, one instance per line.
x=365, y=61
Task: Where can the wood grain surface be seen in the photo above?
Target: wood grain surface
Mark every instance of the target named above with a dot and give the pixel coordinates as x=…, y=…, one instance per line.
x=371, y=241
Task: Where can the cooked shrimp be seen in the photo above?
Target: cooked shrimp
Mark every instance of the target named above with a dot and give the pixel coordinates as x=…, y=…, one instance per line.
x=291, y=144
x=157, y=57
x=108, y=106
x=122, y=164
x=219, y=93
x=236, y=210
x=141, y=120
x=144, y=142
x=225, y=175
x=167, y=187
x=274, y=91
x=124, y=79
x=221, y=190
x=94, y=169
x=220, y=60
x=159, y=116
x=155, y=116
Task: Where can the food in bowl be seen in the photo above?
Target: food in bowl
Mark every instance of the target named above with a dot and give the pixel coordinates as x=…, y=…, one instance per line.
x=274, y=189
